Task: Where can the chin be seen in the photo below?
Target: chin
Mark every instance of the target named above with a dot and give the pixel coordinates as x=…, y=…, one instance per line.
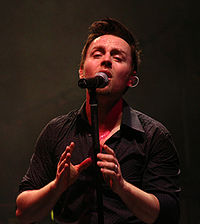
x=103, y=92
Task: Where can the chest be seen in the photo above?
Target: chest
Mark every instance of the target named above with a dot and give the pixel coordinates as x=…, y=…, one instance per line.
x=130, y=154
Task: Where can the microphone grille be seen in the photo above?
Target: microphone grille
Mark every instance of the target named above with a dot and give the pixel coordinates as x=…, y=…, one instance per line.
x=103, y=75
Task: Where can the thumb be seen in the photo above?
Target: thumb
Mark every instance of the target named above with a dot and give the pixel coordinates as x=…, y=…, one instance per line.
x=83, y=165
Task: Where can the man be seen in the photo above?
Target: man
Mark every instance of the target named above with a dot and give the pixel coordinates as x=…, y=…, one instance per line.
x=138, y=160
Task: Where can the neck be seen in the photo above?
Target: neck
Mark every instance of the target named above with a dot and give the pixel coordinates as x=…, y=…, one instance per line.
x=109, y=113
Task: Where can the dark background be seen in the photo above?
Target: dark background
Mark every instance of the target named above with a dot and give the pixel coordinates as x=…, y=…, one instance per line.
x=40, y=45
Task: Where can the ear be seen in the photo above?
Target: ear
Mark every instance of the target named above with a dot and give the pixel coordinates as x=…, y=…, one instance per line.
x=133, y=81
x=81, y=74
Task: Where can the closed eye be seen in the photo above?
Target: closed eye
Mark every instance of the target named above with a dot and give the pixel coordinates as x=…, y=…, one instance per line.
x=118, y=59
x=97, y=55
x=97, y=52
x=118, y=55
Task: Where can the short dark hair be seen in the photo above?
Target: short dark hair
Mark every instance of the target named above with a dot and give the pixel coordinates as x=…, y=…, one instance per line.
x=113, y=27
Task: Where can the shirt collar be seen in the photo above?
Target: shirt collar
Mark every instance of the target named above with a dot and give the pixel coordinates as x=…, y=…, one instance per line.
x=82, y=112
x=129, y=117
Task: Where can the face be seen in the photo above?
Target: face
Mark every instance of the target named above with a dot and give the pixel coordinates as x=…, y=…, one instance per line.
x=111, y=55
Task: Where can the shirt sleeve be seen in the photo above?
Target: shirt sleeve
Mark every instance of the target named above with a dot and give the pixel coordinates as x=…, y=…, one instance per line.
x=161, y=176
x=42, y=167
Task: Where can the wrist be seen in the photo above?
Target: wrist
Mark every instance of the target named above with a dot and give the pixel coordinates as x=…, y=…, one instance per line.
x=58, y=187
x=121, y=187
x=54, y=188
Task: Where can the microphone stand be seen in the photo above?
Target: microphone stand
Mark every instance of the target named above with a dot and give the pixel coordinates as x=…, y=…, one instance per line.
x=96, y=146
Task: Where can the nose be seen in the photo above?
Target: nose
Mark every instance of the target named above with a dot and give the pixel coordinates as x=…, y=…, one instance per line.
x=106, y=61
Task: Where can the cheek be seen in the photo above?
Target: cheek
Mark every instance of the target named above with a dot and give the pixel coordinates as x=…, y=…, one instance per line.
x=124, y=73
x=89, y=67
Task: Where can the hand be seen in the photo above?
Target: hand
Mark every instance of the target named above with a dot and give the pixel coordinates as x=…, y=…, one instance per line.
x=110, y=168
x=67, y=173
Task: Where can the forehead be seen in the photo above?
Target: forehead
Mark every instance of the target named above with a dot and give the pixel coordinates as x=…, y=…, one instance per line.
x=110, y=42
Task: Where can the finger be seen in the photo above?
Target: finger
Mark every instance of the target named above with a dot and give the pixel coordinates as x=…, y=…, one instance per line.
x=108, y=173
x=106, y=157
x=65, y=169
x=108, y=165
x=68, y=149
x=63, y=156
x=61, y=166
x=83, y=165
x=71, y=147
x=108, y=150
x=64, y=161
x=68, y=158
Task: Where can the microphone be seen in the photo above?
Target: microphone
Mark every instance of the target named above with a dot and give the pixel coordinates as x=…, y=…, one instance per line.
x=99, y=81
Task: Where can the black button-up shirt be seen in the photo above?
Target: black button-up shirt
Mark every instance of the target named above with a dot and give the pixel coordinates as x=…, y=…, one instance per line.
x=144, y=149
